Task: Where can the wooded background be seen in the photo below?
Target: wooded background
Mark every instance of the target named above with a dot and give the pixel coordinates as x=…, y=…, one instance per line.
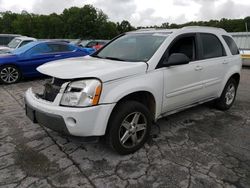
x=89, y=22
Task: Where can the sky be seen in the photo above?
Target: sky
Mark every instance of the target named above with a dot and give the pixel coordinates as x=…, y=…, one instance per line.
x=141, y=12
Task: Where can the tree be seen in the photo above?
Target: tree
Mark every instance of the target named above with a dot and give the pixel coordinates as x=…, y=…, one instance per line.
x=23, y=23
x=88, y=22
x=165, y=25
x=247, y=23
x=124, y=26
x=7, y=19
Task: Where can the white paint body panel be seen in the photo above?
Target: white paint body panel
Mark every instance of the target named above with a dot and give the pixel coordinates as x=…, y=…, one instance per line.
x=172, y=87
x=89, y=121
x=182, y=85
x=22, y=39
x=83, y=67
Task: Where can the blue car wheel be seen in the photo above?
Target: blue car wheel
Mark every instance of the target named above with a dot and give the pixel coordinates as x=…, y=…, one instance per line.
x=9, y=74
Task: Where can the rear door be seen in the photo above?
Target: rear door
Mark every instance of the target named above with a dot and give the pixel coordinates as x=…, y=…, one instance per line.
x=182, y=83
x=213, y=64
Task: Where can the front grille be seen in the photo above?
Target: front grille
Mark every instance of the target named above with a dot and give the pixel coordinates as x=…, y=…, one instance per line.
x=52, y=88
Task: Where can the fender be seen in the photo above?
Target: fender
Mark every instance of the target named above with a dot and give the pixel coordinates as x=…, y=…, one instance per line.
x=234, y=69
x=151, y=82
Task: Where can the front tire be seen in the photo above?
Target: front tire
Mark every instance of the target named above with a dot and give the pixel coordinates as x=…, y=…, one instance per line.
x=9, y=74
x=228, y=95
x=129, y=127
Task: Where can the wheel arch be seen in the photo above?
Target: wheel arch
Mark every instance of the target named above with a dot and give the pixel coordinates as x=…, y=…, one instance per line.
x=144, y=97
x=11, y=64
x=234, y=75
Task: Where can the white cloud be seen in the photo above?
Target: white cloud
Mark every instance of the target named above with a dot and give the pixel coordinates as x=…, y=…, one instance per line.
x=223, y=9
x=141, y=12
x=117, y=9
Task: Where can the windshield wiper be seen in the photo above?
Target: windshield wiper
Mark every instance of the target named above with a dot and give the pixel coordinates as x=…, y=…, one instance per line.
x=95, y=56
x=114, y=58
x=111, y=58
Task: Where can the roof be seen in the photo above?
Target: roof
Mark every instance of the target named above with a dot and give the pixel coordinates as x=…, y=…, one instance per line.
x=188, y=28
x=239, y=34
x=47, y=41
x=25, y=38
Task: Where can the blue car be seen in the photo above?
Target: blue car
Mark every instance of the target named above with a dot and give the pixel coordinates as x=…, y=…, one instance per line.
x=23, y=61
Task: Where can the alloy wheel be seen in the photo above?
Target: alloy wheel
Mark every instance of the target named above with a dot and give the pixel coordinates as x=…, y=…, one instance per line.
x=9, y=75
x=133, y=129
x=230, y=94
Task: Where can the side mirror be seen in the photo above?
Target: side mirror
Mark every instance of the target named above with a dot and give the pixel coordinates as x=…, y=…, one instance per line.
x=177, y=59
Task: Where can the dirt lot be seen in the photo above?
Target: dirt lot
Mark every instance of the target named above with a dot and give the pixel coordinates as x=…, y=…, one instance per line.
x=201, y=147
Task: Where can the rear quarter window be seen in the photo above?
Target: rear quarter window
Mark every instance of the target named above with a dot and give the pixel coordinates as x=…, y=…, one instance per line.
x=211, y=46
x=55, y=48
x=231, y=44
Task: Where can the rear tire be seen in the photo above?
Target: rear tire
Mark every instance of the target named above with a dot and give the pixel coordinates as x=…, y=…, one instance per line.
x=9, y=74
x=228, y=95
x=129, y=127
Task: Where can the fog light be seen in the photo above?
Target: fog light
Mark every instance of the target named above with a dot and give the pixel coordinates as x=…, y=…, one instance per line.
x=71, y=121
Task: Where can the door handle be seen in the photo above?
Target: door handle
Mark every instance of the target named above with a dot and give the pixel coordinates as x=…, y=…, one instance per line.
x=57, y=55
x=198, y=68
x=225, y=62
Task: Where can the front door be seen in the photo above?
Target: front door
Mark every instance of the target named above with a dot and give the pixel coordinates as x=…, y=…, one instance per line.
x=182, y=83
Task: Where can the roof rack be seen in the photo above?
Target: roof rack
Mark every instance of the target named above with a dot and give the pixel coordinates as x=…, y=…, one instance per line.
x=146, y=29
x=202, y=27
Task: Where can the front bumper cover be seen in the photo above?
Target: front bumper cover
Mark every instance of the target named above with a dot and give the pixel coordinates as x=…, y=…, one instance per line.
x=84, y=122
x=51, y=121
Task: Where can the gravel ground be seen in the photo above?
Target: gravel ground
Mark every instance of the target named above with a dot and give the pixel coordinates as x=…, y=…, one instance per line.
x=200, y=147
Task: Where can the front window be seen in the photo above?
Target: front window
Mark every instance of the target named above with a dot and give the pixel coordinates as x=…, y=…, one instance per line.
x=14, y=43
x=133, y=47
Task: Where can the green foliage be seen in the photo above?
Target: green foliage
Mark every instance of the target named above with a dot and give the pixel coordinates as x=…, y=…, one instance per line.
x=230, y=25
x=88, y=22
x=124, y=26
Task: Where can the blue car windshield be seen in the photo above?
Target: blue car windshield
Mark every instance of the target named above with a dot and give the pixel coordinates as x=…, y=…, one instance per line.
x=24, y=48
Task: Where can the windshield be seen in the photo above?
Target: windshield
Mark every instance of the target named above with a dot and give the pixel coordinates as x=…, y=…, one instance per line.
x=14, y=43
x=24, y=48
x=84, y=43
x=133, y=47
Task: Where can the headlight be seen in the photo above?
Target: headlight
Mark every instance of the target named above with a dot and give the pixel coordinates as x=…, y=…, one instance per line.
x=82, y=93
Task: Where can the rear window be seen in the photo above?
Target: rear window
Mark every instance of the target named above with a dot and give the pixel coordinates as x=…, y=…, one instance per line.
x=211, y=46
x=59, y=48
x=231, y=44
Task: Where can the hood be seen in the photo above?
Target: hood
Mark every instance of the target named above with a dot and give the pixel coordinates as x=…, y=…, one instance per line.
x=87, y=66
x=4, y=49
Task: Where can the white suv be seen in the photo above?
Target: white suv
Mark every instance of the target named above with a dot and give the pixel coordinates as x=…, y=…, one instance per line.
x=137, y=78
